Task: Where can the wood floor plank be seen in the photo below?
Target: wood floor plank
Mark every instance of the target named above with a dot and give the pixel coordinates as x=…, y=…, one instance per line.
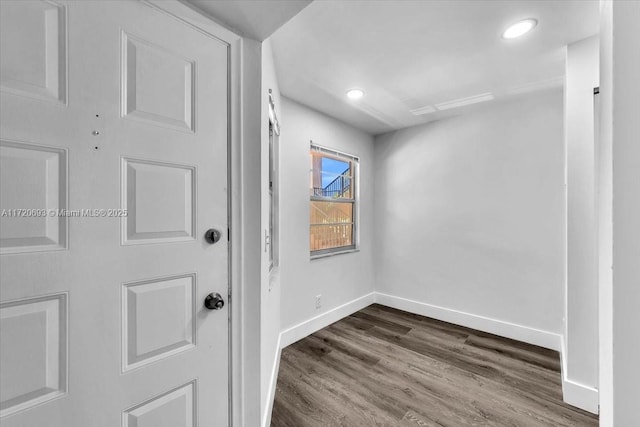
x=348, y=348
x=386, y=367
x=496, y=345
x=382, y=323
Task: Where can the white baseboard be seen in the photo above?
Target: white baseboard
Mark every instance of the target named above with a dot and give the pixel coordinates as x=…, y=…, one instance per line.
x=580, y=395
x=493, y=326
x=576, y=394
x=514, y=331
x=271, y=392
x=306, y=328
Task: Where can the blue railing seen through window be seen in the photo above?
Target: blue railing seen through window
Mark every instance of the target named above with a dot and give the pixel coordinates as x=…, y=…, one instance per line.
x=338, y=188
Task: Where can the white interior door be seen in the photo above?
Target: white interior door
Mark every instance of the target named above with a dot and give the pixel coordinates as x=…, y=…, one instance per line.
x=107, y=107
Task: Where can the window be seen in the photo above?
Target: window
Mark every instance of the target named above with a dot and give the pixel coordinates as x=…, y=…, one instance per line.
x=333, y=195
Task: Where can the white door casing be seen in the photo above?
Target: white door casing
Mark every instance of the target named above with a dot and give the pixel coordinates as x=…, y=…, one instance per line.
x=109, y=107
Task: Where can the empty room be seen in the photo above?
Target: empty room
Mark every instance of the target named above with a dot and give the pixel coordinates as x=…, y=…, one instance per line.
x=310, y=213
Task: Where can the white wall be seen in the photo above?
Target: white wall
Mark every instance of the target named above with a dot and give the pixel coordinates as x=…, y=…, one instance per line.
x=270, y=286
x=341, y=278
x=470, y=213
x=581, y=336
x=620, y=121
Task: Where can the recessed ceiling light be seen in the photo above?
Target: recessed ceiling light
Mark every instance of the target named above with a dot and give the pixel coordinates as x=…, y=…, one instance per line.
x=519, y=28
x=355, y=93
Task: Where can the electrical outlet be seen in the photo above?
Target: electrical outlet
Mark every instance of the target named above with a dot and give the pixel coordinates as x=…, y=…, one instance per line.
x=318, y=301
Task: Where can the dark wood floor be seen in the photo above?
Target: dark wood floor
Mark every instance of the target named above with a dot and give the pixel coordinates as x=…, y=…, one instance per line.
x=385, y=367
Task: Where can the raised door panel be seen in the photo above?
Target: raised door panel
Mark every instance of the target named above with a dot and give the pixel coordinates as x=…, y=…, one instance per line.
x=33, y=46
x=158, y=86
x=176, y=408
x=160, y=202
x=33, y=355
x=158, y=319
x=33, y=197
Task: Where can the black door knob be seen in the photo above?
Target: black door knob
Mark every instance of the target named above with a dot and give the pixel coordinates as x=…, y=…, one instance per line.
x=214, y=301
x=212, y=235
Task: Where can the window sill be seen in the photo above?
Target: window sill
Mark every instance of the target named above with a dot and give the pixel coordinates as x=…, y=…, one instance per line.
x=330, y=254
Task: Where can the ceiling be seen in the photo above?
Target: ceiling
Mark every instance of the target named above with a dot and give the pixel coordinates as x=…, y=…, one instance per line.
x=255, y=19
x=411, y=55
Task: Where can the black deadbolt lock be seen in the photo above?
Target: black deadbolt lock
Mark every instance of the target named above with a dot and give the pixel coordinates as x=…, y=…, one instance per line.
x=212, y=235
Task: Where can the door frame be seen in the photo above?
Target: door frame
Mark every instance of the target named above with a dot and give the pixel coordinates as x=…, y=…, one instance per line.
x=238, y=174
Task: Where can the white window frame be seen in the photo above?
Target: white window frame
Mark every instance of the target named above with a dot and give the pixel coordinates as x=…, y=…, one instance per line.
x=355, y=201
x=272, y=239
